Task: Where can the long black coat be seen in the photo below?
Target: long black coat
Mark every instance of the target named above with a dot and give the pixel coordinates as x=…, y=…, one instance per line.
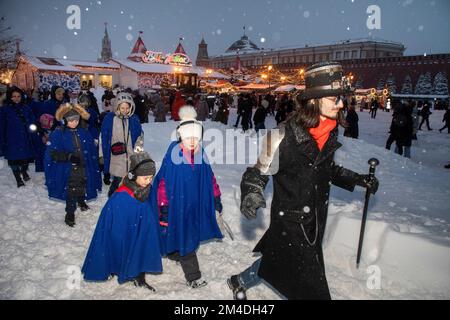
x=292, y=257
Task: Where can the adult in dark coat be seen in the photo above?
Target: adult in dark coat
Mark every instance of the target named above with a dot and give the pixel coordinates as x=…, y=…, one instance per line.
x=160, y=110
x=446, y=119
x=352, y=129
x=374, y=108
x=19, y=139
x=425, y=113
x=56, y=100
x=401, y=130
x=300, y=158
x=247, y=106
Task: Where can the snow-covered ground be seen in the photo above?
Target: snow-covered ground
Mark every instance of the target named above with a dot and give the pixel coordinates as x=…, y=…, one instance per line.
x=406, y=250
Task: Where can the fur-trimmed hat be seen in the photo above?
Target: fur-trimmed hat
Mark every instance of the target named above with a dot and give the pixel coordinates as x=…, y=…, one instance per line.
x=189, y=126
x=125, y=97
x=142, y=165
x=69, y=109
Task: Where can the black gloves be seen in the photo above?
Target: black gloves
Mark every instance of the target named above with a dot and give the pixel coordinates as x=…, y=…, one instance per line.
x=252, y=192
x=61, y=156
x=365, y=181
x=218, y=204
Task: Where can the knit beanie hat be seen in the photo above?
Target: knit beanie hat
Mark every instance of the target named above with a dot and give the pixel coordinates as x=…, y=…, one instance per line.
x=142, y=164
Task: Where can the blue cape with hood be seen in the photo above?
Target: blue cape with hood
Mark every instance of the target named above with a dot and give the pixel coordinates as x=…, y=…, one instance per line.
x=57, y=174
x=192, y=216
x=125, y=242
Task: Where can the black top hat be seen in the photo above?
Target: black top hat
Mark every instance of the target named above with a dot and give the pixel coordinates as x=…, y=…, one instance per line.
x=325, y=79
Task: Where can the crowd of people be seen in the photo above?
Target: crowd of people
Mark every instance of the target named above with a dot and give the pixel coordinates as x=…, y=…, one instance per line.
x=150, y=215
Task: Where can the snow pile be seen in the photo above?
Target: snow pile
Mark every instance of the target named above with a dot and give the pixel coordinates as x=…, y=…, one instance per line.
x=406, y=251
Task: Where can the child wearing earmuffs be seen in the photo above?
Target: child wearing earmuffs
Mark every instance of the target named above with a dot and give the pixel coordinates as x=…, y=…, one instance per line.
x=71, y=162
x=187, y=195
x=126, y=240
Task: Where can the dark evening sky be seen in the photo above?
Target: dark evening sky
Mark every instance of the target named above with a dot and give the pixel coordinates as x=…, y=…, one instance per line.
x=423, y=26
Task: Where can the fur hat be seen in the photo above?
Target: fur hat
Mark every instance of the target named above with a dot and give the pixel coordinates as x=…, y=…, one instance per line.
x=189, y=126
x=84, y=100
x=142, y=164
x=68, y=109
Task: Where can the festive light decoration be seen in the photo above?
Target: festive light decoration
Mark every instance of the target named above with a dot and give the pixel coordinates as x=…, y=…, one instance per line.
x=178, y=59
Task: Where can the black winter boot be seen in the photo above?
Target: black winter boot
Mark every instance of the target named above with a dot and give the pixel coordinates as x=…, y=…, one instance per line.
x=23, y=171
x=83, y=206
x=18, y=179
x=239, y=292
x=70, y=219
x=140, y=282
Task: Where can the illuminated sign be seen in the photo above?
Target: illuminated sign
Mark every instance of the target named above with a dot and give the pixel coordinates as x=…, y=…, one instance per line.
x=178, y=59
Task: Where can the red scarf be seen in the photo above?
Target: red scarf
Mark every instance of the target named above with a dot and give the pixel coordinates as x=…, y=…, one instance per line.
x=127, y=190
x=322, y=132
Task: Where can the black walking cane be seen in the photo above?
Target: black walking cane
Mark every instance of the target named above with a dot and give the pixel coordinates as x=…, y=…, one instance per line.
x=373, y=164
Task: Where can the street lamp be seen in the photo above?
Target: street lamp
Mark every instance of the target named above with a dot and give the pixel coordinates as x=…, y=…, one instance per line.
x=269, y=68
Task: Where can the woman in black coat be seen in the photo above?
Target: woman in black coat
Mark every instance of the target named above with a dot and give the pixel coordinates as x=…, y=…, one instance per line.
x=352, y=130
x=402, y=130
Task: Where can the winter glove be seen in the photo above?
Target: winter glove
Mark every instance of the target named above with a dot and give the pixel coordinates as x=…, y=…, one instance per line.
x=74, y=159
x=365, y=181
x=252, y=192
x=218, y=204
x=164, y=216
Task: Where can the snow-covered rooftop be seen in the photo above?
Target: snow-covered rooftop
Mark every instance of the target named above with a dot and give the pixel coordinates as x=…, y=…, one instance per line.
x=308, y=46
x=165, y=68
x=55, y=64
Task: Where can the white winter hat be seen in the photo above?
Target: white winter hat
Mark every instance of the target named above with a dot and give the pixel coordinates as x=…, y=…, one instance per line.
x=189, y=126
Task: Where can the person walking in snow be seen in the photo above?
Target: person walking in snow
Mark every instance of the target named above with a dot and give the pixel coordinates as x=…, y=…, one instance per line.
x=121, y=131
x=160, y=109
x=19, y=139
x=352, y=119
x=223, y=112
x=176, y=106
x=374, y=105
x=260, y=115
x=446, y=119
x=71, y=162
x=57, y=98
x=425, y=113
x=299, y=156
x=188, y=196
x=93, y=123
x=126, y=240
x=202, y=109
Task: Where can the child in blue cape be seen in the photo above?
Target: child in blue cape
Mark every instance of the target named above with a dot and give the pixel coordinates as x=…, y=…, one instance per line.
x=126, y=239
x=187, y=195
x=71, y=162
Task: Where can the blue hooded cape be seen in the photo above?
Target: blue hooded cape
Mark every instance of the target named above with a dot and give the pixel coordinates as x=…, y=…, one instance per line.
x=57, y=174
x=125, y=241
x=93, y=123
x=17, y=142
x=192, y=217
x=106, y=133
